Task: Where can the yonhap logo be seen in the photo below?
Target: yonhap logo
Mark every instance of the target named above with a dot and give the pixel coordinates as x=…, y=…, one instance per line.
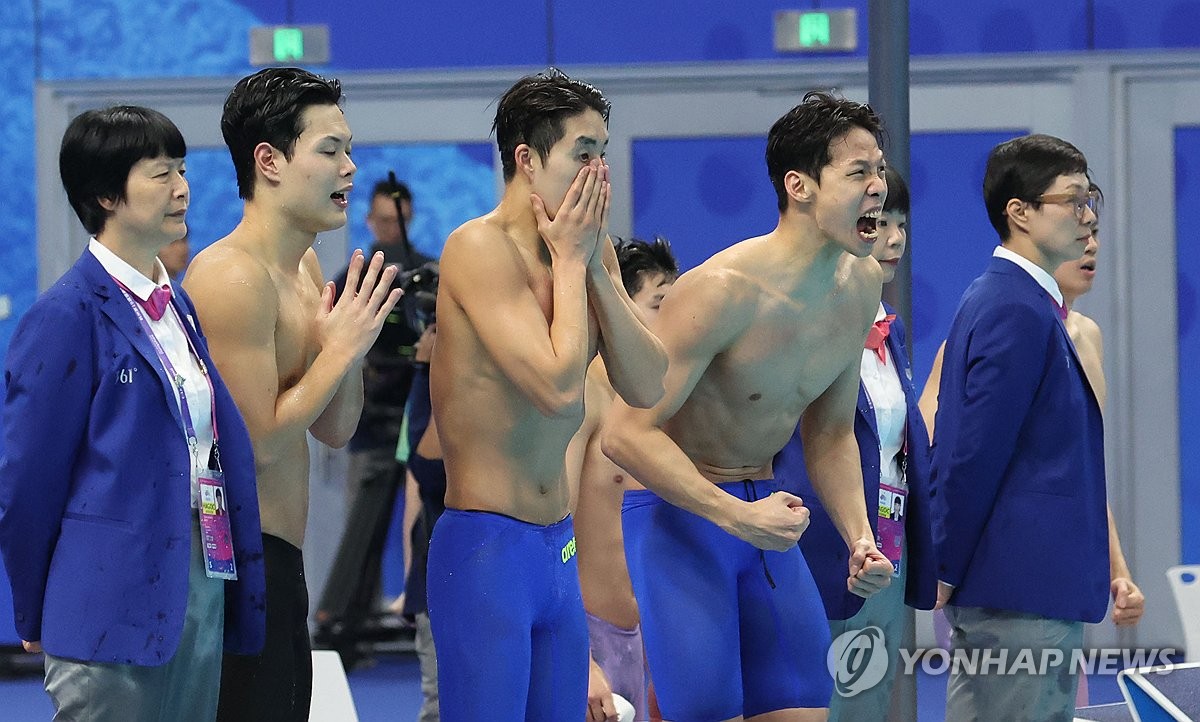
x=857, y=660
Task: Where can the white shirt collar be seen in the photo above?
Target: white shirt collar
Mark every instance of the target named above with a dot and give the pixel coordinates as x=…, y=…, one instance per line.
x=127, y=274
x=1045, y=280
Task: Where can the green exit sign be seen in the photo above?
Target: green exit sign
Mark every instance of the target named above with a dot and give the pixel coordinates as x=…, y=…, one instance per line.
x=816, y=31
x=289, y=45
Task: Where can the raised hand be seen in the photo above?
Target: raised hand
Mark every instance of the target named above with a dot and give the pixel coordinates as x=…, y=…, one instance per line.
x=574, y=232
x=352, y=324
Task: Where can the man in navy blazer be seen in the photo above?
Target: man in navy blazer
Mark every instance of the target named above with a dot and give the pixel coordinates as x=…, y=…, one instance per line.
x=1018, y=456
x=99, y=523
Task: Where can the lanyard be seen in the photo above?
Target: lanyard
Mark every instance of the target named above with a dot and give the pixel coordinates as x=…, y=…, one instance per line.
x=177, y=379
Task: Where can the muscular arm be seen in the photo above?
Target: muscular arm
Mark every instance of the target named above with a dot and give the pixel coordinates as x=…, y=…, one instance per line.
x=224, y=288
x=483, y=273
x=596, y=403
x=634, y=356
x=1128, y=600
x=834, y=467
x=700, y=318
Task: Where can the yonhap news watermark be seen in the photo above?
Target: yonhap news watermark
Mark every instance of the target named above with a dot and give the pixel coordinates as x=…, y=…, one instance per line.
x=858, y=660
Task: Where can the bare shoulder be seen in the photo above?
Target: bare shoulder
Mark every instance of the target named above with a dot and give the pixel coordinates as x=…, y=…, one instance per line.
x=861, y=275
x=1084, y=330
x=716, y=285
x=225, y=280
x=479, y=242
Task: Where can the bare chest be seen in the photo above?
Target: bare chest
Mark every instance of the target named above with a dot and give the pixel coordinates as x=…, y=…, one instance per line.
x=790, y=355
x=295, y=329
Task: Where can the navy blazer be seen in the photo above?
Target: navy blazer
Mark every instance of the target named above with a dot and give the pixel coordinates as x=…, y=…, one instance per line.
x=1019, y=515
x=824, y=549
x=95, y=500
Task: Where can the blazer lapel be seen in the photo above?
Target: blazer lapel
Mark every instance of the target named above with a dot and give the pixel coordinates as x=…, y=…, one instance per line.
x=116, y=307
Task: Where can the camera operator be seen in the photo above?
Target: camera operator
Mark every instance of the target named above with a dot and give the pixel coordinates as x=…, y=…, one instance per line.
x=387, y=371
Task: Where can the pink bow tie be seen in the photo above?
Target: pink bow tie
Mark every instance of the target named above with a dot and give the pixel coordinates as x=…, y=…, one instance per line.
x=877, y=337
x=156, y=305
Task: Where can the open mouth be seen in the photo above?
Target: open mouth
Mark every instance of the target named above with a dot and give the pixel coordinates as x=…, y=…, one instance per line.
x=339, y=198
x=867, y=226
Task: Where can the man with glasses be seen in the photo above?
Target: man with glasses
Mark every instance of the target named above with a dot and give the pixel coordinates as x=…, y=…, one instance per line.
x=1018, y=464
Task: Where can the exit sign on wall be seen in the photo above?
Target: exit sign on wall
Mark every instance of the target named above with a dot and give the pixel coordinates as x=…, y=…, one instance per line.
x=816, y=31
x=289, y=45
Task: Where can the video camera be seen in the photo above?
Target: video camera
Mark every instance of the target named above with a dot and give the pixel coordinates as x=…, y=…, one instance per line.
x=420, y=286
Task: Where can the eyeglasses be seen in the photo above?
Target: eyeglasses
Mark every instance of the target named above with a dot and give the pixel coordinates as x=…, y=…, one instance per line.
x=1091, y=200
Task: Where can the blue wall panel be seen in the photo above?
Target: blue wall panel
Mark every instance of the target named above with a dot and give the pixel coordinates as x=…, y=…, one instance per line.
x=951, y=239
x=1159, y=24
x=18, y=251
x=1187, y=239
x=997, y=26
x=451, y=33
x=701, y=194
x=214, y=209
x=135, y=39
x=632, y=31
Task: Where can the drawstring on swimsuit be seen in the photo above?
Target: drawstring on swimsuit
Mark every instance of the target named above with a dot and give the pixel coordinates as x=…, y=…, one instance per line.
x=752, y=495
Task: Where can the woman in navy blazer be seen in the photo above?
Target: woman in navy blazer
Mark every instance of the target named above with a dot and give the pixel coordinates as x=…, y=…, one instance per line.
x=914, y=582
x=103, y=453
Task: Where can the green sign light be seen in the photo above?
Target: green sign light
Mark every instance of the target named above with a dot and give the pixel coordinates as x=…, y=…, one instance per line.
x=288, y=44
x=814, y=30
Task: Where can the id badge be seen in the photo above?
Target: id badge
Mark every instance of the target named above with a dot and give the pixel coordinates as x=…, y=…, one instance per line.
x=215, y=534
x=890, y=535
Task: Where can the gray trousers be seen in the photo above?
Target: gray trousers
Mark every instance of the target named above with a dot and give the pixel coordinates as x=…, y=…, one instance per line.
x=184, y=689
x=428, y=661
x=1023, y=696
x=885, y=610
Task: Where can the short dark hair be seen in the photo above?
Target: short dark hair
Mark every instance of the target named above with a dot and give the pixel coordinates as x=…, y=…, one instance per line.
x=386, y=189
x=897, y=200
x=1024, y=168
x=99, y=149
x=267, y=107
x=800, y=140
x=532, y=111
x=640, y=259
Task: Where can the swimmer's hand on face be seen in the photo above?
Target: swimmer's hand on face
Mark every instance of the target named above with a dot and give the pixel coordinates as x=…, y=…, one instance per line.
x=351, y=325
x=774, y=523
x=574, y=232
x=870, y=570
x=603, y=242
